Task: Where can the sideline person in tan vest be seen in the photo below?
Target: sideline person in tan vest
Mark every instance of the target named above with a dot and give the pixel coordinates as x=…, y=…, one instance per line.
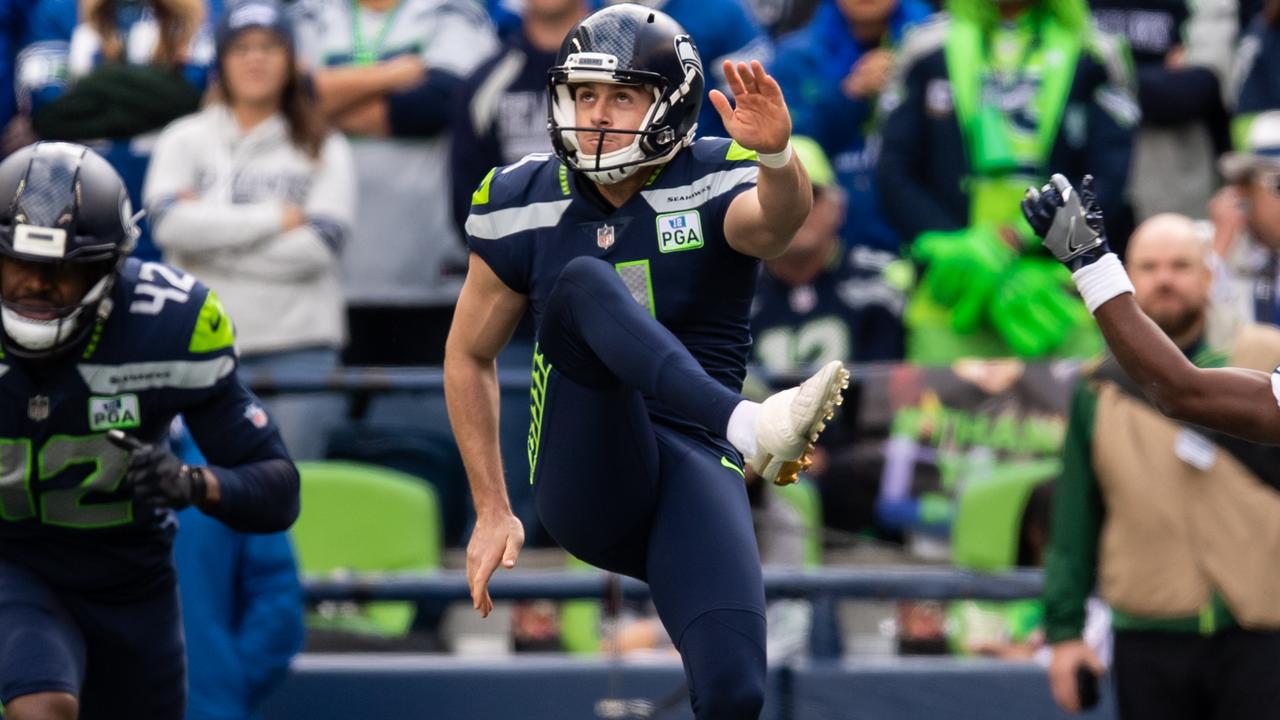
x=1178, y=526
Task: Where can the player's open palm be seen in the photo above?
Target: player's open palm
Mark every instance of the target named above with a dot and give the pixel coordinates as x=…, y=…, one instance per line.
x=758, y=117
x=496, y=540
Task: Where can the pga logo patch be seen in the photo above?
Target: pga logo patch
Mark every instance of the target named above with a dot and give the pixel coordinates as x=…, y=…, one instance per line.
x=679, y=231
x=114, y=412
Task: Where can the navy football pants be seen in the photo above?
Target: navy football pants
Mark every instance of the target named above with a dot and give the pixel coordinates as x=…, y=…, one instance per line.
x=123, y=660
x=645, y=500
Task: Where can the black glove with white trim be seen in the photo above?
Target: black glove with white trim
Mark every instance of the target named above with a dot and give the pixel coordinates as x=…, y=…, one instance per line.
x=1069, y=223
x=157, y=477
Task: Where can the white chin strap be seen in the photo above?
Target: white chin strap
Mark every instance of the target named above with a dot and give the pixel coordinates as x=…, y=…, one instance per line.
x=34, y=334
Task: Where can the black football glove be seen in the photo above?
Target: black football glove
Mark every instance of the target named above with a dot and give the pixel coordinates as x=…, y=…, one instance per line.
x=157, y=477
x=1069, y=223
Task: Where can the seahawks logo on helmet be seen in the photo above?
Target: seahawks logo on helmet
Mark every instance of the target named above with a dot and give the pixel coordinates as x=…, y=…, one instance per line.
x=688, y=54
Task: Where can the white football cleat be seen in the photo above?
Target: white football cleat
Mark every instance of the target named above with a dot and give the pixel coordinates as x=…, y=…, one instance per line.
x=789, y=422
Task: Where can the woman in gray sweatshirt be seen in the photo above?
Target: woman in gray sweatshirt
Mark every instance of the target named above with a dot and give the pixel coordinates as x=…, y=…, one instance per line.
x=254, y=195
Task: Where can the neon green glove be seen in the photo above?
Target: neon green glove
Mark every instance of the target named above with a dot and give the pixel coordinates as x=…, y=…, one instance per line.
x=964, y=268
x=1032, y=307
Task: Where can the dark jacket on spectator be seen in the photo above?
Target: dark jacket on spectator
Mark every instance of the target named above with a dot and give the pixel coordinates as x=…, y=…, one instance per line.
x=1256, y=76
x=923, y=165
x=500, y=116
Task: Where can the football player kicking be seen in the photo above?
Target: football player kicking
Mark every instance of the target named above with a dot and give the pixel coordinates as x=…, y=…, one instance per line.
x=637, y=248
x=1235, y=401
x=99, y=354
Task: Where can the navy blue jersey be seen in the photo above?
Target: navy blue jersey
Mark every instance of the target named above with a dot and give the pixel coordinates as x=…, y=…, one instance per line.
x=847, y=312
x=667, y=242
x=166, y=348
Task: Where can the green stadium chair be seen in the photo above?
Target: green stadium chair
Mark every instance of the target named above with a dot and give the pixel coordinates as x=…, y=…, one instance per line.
x=580, y=620
x=984, y=533
x=984, y=537
x=364, y=518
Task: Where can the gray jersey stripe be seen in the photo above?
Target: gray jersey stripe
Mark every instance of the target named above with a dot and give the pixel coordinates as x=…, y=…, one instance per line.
x=699, y=191
x=501, y=223
x=175, y=374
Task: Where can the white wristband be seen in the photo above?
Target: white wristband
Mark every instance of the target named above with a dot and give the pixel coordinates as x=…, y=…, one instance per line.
x=1101, y=280
x=776, y=160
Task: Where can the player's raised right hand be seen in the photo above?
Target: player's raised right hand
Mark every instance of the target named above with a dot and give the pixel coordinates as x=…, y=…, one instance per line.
x=497, y=538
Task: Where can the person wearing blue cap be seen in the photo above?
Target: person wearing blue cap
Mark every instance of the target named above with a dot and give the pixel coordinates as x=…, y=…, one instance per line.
x=256, y=196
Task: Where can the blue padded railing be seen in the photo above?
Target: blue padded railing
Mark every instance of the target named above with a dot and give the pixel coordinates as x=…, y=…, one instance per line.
x=821, y=587
x=431, y=379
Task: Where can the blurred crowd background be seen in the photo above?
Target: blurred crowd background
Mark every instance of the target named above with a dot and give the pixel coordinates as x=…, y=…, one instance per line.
x=316, y=171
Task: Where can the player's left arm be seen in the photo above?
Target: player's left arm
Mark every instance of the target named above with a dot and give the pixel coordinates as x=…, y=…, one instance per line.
x=761, y=222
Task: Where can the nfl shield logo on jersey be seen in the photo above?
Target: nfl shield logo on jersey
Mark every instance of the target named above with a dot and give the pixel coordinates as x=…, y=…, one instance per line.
x=38, y=408
x=604, y=237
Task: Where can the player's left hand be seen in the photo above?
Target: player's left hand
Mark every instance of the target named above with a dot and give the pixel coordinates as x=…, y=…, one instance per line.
x=758, y=118
x=157, y=477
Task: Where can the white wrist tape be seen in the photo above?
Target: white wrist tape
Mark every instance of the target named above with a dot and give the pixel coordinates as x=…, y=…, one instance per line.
x=776, y=160
x=1101, y=280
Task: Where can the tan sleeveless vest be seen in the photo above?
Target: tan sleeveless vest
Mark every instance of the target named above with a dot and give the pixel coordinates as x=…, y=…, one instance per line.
x=1177, y=529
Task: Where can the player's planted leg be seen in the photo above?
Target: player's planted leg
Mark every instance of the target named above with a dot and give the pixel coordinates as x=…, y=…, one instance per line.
x=724, y=657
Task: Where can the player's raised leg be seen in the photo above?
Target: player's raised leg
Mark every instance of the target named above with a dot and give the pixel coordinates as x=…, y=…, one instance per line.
x=592, y=322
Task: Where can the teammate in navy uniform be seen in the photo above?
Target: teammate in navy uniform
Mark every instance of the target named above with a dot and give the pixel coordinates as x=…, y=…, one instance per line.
x=98, y=355
x=636, y=248
x=1237, y=401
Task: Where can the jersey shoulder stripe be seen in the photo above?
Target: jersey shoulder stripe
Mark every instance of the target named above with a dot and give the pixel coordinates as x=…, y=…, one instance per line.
x=529, y=194
x=713, y=167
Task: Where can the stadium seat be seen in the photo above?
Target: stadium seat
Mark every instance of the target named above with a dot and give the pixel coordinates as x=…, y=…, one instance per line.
x=580, y=620
x=364, y=518
x=985, y=532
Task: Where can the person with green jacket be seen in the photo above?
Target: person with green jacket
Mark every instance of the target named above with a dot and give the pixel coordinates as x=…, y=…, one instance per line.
x=1176, y=525
x=983, y=98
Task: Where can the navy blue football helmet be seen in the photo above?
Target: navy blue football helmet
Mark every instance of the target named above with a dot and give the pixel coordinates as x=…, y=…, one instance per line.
x=63, y=203
x=627, y=44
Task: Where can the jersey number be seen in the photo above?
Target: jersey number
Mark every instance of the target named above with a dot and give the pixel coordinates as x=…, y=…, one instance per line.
x=177, y=287
x=63, y=507
x=815, y=342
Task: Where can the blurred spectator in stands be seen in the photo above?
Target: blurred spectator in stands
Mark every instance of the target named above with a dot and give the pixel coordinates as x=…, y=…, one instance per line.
x=982, y=102
x=1182, y=50
x=112, y=73
x=722, y=30
x=779, y=17
x=1246, y=230
x=255, y=196
x=501, y=111
x=1255, y=78
x=820, y=301
x=13, y=32
x=832, y=72
x=1176, y=525
x=241, y=608
x=388, y=73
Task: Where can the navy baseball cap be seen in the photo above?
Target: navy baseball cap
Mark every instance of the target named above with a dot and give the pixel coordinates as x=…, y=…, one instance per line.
x=250, y=14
